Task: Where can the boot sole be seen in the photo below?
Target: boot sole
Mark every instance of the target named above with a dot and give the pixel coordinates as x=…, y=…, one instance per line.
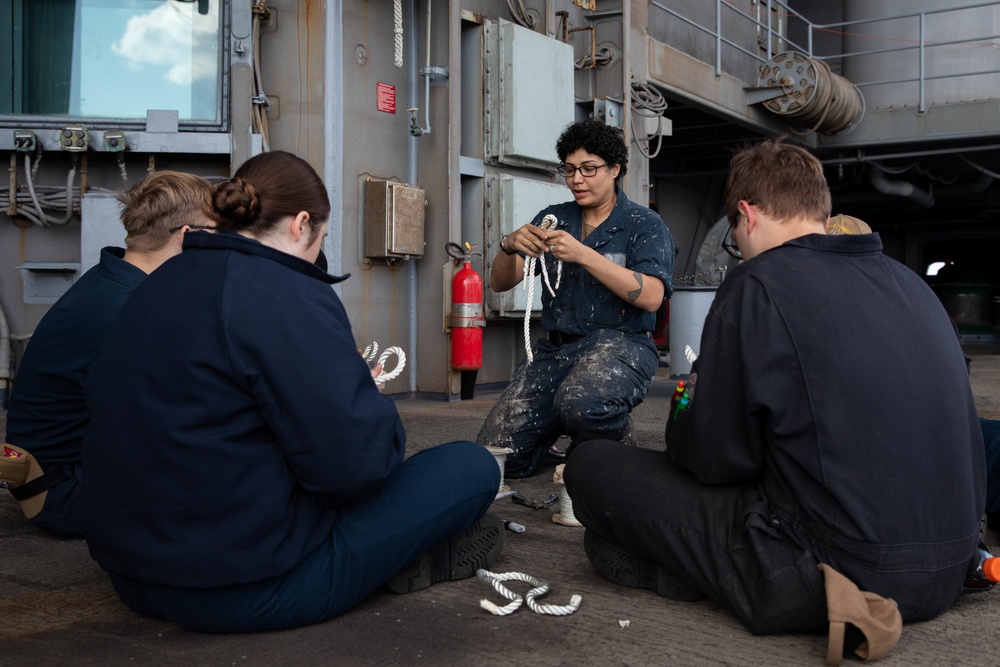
x=457, y=558
x=625, y=569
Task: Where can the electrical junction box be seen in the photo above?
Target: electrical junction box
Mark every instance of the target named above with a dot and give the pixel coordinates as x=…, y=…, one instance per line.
x=529, y=95
x=25, y=141
x=394, y=220
x=74, y=139
x=512, y=203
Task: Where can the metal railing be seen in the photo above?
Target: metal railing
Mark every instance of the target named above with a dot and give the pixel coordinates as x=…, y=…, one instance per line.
x=775, y=19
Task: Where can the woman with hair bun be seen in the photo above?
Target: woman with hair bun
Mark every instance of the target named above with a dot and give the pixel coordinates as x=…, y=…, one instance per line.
x=244, y=472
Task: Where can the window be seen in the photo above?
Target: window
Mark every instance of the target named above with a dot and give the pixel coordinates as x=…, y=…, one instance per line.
x=111, y=59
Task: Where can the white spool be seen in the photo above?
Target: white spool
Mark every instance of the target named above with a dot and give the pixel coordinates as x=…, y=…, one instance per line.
x=500, y=456
x=565, y=516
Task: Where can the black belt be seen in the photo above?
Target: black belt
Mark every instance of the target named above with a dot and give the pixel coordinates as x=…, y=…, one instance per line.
x=560, y=338
x=39, y=484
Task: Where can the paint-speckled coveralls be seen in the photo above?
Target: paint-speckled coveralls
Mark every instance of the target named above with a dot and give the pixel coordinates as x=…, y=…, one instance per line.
x=586, y=386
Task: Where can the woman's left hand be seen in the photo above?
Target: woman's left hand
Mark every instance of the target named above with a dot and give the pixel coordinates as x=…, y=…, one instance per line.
x=376, y=370
x=564, y=246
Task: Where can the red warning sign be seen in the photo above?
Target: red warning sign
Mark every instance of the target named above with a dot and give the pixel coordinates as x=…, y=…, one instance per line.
x=386, y=98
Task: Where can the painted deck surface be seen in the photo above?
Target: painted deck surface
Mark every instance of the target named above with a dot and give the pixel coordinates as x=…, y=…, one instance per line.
x=58, y=608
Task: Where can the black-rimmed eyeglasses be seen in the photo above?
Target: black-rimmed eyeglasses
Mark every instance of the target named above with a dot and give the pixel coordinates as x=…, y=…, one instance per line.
x=587, y=170
x=180, y=227
x=729, y=244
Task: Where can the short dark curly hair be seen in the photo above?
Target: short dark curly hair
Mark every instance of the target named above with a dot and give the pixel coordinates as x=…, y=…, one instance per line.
x=594, y=137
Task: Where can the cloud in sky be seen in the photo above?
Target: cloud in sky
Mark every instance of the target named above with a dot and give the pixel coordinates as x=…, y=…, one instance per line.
x=176, y=36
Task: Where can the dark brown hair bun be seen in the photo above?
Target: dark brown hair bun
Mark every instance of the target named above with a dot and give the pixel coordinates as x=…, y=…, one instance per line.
x=237, y=203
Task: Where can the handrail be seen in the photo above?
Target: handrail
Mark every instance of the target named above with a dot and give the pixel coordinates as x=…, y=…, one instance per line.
x=914, y=36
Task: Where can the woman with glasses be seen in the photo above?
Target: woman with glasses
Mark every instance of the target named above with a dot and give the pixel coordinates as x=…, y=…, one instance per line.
x=244, y=472
x=597, y=359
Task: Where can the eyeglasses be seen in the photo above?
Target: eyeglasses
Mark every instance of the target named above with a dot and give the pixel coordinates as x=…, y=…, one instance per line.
x=728, y=242
x=587, y=170
x=729, y=245
x=180, y=227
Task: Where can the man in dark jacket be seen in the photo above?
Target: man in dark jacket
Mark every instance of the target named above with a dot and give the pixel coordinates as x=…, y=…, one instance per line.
x=832, y=422
x=47, y=414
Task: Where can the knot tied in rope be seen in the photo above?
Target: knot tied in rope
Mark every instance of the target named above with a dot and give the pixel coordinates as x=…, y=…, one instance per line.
x=369, y=356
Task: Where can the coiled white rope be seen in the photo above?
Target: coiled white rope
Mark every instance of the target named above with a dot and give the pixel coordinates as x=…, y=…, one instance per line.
x=369, y=355
x=540, y=589
x=548, y=222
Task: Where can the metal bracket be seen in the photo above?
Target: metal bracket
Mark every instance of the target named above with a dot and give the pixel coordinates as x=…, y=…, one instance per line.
x=434, y=72
x=757, y=95
x=611, y=111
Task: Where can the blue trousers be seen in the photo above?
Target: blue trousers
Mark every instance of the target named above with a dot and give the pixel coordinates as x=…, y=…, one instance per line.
x=62, y=513
x=437, y=493
x=584, y=389
x=728, y=542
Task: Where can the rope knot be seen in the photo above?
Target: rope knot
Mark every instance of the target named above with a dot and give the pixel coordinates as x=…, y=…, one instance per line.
x=548, y=222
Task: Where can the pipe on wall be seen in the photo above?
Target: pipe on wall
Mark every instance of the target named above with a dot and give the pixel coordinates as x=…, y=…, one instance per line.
x=413, y=77
x=899, y=188
x=333, y=137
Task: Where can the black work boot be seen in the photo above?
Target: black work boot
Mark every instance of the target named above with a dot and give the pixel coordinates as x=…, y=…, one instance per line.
x=625, y=569
x=459, y=557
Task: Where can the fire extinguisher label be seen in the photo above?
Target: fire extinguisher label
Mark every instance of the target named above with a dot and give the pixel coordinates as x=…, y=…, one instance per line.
x=462, y=312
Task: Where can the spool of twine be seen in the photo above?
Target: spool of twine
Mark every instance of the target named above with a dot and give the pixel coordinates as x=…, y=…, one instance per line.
x=500, y=456
x=565, y=516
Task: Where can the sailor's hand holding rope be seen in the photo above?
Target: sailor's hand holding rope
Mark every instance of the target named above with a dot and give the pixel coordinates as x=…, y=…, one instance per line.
x=529, y=240
x=379, y=375
x=536, y=240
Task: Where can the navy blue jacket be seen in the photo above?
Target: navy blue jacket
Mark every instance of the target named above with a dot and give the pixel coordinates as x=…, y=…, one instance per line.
x=831, y=379
x=632, y=236
x=231, y=415
x=47, y=413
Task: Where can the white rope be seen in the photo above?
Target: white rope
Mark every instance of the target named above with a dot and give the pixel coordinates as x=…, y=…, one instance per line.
x=369, y=355
x=397, y=29
x=540, y=589
x=548, y=222
x=529, y=279
x=689, y=354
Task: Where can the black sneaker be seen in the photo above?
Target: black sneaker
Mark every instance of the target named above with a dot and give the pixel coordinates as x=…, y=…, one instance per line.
x=621, y=567
x=459, y=557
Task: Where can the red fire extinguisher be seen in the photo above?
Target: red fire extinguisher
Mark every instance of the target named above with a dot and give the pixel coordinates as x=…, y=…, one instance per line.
x=467, y=319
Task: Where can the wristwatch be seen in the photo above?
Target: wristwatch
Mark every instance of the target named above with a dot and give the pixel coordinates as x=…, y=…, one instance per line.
x=503, y=245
